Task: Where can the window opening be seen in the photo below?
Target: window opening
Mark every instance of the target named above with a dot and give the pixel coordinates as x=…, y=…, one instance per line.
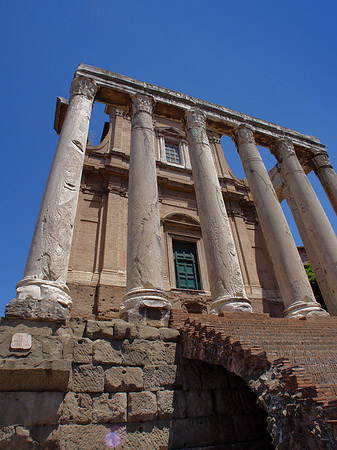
x=186, y=265
x=172, y=153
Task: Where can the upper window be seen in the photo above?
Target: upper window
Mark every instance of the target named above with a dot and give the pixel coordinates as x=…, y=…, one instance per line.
x=172, y=153
x=186, y=265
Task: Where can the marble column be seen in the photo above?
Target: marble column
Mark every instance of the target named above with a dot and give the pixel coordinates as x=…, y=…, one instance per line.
x=145, y=300
x=327, y=176
x=309, y=248
x=320, y=232
x=224, y=273
x=42, y=293
x=292, y=280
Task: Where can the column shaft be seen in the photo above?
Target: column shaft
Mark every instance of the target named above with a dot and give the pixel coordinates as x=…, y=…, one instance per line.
x=42, y=293
x=319, y=229
x=327, y=176
x=145, y=300
x=293, y=282
x=225, y=278
x=314, y=260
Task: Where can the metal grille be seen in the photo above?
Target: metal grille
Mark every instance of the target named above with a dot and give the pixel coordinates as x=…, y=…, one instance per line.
x=172, y=153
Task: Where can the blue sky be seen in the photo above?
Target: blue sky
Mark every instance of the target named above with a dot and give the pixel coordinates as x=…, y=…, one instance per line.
x=272, y=60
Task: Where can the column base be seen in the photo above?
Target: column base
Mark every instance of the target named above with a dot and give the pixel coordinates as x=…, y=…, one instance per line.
x=234, y=304
x=303, y=309
x=40, y=300
x=146, y=307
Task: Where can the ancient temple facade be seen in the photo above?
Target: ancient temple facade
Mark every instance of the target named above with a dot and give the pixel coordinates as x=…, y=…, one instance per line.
x=162, y=296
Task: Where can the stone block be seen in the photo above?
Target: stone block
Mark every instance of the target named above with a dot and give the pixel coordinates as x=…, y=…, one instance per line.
x=169, y=334
x=199, y=403
x=84, y=437
x=110, y=408
x=123, y=379
x=142, y=352
x=142, y=406
x=158, y=376
x=87, y=378
x=107, y=352
x=34, y=375
x=51, y=348
x=171, y=404
x=76, y=408
x=29, y=408
x=99, y=329
x=148, y=333
x=124, y=330
x=82, y=351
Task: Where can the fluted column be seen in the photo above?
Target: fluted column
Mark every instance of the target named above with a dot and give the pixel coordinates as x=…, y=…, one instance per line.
x=327, y=176
x=225, y=278
x=320, y=232
x=292, y=280
x=42, y=293
x=145, y=300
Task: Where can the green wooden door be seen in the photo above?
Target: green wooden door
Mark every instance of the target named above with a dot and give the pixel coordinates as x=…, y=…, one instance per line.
x=186, y=265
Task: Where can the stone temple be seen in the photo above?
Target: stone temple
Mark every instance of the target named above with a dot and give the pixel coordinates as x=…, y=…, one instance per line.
x=164, y=303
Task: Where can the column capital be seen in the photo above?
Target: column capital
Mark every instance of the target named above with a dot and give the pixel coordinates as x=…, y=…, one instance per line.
x=320, y=161
x=283, y=147
x=141, y=102
x=195, y=118
x=83, y=86
x=243, y=134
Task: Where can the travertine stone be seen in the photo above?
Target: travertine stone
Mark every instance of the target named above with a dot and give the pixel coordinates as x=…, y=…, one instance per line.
x=123, y=379
x=327, y=176
x=145, y=301
x=76, y=408
x=21, y=341
x=196, y=398
x=171, y=404
x=142, y=406
x=29, y=408
x=87, y=378
x=141, y=353
x=107, y=352
x=158, y=376
x=224, y=273
x=293, y=282
x=82, y=351
x=110, y=408
x=319, y=229
x=47, y=264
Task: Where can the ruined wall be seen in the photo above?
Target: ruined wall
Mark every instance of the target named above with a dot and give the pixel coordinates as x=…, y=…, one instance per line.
x=82, y=385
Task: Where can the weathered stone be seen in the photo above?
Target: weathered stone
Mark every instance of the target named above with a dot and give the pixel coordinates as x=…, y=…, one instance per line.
x=76, y=409
x=21, y=341
x=110, y=408
x=82, y=351
x=148, y=333
x=87, y=378
x=29, y=408
x=158, y=376
x=124, y=330
x=52, y=348
x=169, y=334
x=224, y=273
x=107, y=352
x=140, y=352
x=29, y=308
x=34, y=375
x=123, y=379
x=89, y=437
x=142, y=406
x=171, y=404
x=99, y=329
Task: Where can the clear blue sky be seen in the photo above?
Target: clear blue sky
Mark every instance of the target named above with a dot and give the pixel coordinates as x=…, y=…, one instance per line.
x=272, y=60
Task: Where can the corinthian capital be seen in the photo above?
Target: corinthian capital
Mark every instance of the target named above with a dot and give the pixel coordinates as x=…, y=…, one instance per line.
x=282, y=148
x=320, y=161
x=142, y=102
x=244, y=134
x=83, y=86
x=195, y=118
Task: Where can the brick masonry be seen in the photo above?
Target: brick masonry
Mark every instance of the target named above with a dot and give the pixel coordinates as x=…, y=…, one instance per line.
x=290, y=364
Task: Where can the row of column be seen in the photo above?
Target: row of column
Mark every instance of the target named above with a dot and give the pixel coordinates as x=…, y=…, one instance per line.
x=43, y=294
